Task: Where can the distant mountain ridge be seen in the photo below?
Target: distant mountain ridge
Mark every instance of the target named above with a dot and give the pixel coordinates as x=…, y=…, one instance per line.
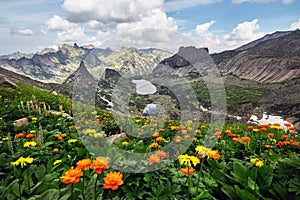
x=274, y=58
x=51, y=65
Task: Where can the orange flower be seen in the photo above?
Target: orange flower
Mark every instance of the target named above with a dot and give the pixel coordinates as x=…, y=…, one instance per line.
x=250, y=128
x=161, y=154
x=267, y=146
x=100, y=164
x=162, y=130
x=155, y=135
x=176, y=128
x=236, y=139
x=29, y=136
x=203, y=127
x=189, y=129
x=84, y=164
x=294, y=143
x=159, y=139
x=178, y=140
x=264, y=129
x=285, y=137
x=287, y=124
x=213, y=154
x=198, y=132
x=153, y=159
x=292, y=128
x=270, y=135
x=113, y=180
x=187, y=170
x=63, y=135
x=246, y=139
x=154, y=145
x=19, y=135
x=184, y=132
x=55, y=150
x=276, y=124
x=280, y=144
x=72, y=176
x=194, y=139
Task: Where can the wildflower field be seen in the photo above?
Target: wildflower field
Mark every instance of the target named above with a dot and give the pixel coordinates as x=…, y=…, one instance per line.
x=46, y=158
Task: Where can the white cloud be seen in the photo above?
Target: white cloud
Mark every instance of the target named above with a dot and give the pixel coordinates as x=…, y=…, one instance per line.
x=287, y=1
x=261, y=1
x=25, y=32
x=112, y=11
x=258, y=1
x=202, y=29
x=182, y=4
x=66, y=31
x=243, y=33
x=57, y=23
x=157, y=19
x=295, y=25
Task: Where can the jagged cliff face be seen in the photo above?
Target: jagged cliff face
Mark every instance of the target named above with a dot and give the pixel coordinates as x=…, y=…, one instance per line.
x=273, y=59
x=54, y=66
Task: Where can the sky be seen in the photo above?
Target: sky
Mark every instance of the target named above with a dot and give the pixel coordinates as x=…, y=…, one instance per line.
x=29, y=26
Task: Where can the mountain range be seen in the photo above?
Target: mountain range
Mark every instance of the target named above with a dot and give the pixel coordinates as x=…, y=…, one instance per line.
x=261, y=76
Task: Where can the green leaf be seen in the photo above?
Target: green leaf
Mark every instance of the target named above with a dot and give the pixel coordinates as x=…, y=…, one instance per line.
x=203, y=195
x=52, y=194
x=252, y=185
x=40, y=172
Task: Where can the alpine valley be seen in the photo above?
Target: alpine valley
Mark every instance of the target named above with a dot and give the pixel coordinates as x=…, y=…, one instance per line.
x=261, y=76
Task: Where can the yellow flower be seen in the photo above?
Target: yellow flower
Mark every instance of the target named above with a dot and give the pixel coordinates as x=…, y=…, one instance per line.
x=202, y=150
x=34, y=118
x=273, y=141
x=28, y=144
x=56, y=162
x=259, y=164
x=255, y=130
x=275, y=127
x=214, y=154
x=187, y=160
x=5, y=139
x=124, y=144
x=32, y=131
x=22, y=161
x=98, y=135
x=254, y=160
x=72, y=140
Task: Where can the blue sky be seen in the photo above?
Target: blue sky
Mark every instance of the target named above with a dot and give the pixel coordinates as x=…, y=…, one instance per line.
x=31, y=25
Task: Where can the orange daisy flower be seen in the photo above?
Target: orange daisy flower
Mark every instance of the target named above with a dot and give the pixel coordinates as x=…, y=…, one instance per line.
x=100, y=164
x=84, y=164
x=159, y=139
x=72, y=176
x=113, y=180
x=161, y=154
x=153, y=159
x=155, y=135
x=187, y=170
x=29, y=136
x=246, y=139
x=19, y=135
x=154, y=145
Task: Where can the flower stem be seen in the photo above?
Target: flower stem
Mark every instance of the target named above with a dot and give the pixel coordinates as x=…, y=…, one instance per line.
x=72, y=189
x=20, y=189
x=83, y=197
x=198, y=180
x=189, y=182
x=95, y=188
